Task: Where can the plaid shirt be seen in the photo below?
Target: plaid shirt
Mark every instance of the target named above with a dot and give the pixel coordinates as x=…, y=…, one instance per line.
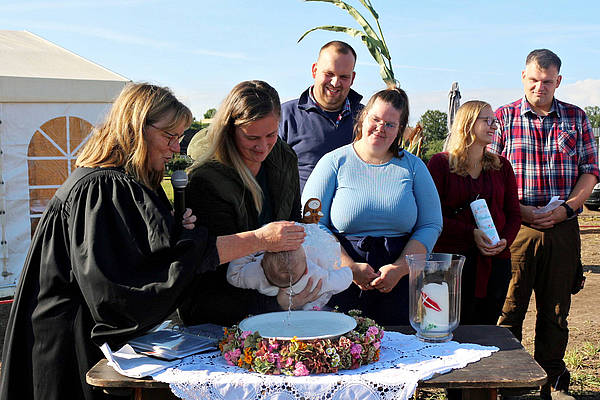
x=547, y=153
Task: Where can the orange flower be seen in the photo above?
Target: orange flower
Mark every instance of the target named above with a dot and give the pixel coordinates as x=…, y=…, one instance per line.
x=240, y=362
x=247, y=355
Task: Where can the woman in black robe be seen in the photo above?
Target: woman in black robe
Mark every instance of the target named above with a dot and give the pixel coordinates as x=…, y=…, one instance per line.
x=103, y=265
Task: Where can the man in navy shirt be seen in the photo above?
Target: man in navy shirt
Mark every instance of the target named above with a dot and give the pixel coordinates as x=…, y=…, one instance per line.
x=322, y=119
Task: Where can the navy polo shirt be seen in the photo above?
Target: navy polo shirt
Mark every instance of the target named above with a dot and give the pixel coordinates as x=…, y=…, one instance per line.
x=312, y=132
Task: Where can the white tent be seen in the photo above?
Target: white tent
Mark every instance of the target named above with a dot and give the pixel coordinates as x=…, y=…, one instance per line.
x=49, y=100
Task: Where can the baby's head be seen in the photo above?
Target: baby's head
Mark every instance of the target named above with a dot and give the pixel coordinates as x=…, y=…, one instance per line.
x=284, y=267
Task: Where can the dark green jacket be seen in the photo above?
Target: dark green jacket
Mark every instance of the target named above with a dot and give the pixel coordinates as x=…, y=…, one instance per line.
x=223, y=205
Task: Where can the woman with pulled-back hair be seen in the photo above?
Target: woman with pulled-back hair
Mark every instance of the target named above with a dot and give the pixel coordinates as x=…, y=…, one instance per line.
x=381, y=203
x=243, y=176
x=466, y=172
x=104, y=264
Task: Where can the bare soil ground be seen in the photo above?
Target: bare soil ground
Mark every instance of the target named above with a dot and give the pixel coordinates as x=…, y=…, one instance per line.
x=583, y=351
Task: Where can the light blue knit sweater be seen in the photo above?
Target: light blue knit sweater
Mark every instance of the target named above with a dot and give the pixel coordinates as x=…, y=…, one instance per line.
x=393, y=199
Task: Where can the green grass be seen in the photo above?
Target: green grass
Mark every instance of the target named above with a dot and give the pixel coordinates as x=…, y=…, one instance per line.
x=583, y=363
x=166, y=185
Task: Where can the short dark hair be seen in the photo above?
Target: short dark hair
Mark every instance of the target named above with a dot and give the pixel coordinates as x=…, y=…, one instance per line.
x=277, y=266
x=398, y=99
x=340, y=47
x=544, y=58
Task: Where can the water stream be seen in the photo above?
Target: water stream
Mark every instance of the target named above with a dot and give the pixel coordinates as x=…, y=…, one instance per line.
x=289, y=314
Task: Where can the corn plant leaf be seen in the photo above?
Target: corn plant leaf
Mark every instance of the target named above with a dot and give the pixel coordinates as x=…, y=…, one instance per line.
x=374, y=47
x=375, y=43
x=350, y=31
x=360, y=19
x=369, y=7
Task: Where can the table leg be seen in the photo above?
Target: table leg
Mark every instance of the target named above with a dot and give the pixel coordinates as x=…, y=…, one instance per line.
x=153, y=394
x=480, y=394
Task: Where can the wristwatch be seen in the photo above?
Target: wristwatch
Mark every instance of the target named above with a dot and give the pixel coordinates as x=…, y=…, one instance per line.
x=567, y=207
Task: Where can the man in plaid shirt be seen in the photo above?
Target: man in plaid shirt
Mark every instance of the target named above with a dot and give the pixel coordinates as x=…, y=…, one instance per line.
x=551, y=147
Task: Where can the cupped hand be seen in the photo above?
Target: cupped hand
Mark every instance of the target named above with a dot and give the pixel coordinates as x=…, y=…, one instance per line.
x=189, y=219
x=363, y=274
x=481, y=239
x=545, y=220
x=301, y=298
x=549, y=219
x=389, y=278
x=484, y=244
x=280, y=236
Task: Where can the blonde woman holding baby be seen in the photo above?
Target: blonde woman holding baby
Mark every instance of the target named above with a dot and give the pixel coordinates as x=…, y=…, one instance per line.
x=247, y=177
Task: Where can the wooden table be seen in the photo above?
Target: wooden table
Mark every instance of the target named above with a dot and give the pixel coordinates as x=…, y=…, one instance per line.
x=511, y=367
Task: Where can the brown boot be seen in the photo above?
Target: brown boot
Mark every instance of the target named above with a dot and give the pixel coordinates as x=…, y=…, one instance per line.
x=557, y=388
x=561, y=395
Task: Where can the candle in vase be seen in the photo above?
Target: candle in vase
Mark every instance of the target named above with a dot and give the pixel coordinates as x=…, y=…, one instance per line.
x=435, y=300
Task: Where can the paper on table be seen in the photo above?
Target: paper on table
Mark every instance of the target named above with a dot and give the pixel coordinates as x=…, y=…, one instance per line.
x=554, y=202
x=129, y=363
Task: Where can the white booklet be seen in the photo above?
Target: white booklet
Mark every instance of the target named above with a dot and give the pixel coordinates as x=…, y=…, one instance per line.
x=554, y=202
x=170, y=343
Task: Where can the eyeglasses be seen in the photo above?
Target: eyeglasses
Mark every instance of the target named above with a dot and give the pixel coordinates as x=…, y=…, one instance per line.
x=490, y=120
x=387, y=125
x=172, y=136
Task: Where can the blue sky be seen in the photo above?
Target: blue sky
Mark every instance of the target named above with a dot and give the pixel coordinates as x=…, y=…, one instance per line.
x=202, y=49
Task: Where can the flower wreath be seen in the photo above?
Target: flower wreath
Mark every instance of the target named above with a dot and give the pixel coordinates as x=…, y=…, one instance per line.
x=303, y=357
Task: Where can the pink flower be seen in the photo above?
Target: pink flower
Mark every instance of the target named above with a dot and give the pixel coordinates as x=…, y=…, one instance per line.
x=372, y=331
x=316, y=308
x=355, y=350
x=300, y=369
x=377, y=345
x=245, y=334
x=272, y=358
x=232, y=356
x=288, y=362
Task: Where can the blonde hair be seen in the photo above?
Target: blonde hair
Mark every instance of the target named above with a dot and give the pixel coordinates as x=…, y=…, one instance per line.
x=462, y=137
x=120, y=141
x=247, y=102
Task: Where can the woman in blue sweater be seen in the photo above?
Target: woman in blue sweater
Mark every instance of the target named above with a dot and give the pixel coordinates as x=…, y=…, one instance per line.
x=381, y=203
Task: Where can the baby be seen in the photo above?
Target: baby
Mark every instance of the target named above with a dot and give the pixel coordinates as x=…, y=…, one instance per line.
x=268, y=272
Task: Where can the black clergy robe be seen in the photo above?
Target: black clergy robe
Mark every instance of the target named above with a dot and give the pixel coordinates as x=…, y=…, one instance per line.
x=102, y=267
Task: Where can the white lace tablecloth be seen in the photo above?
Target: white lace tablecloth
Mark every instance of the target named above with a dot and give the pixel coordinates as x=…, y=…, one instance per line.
x=403, y=362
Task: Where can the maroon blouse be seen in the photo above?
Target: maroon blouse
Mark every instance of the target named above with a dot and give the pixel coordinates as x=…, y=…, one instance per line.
x=497, y=187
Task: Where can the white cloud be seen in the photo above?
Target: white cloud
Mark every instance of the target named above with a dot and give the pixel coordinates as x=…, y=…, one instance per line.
x=581, y=93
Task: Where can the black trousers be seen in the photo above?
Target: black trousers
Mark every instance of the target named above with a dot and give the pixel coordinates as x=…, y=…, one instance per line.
x=385, y=308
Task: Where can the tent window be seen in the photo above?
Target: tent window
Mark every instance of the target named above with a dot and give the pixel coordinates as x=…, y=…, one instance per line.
x=51, y=157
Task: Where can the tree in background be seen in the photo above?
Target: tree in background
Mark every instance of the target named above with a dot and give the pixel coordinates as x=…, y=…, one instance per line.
x=434, y=131
x=593, y=113
x=210, y=113
x=196, y=125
